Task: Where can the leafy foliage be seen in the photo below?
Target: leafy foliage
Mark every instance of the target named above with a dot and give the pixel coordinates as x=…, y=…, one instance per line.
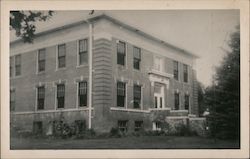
x=23, y=22
x=223, y=97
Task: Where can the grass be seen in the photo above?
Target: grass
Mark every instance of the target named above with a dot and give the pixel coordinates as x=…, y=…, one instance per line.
x=142, y=142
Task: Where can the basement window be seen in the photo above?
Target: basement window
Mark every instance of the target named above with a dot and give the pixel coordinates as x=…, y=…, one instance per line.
x=123, y=125
x=138, y=125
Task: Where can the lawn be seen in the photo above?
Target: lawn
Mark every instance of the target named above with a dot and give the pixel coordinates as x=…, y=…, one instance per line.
x=142, y=142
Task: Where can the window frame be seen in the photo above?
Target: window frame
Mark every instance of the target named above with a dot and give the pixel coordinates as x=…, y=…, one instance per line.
x=136, y=127
x=61, y=57
x=124, y=89
x=186, y=102
x=79, y=52
x=40, y=99
x=60, y=98
x=136, y=98
x=12, y=101
x=176, y=70
x=136, y=59
x=185, y=73
x=121, y=55
x=39, y=60
x=122, y=125
x=177, y=101
x=83, y=96
x=18, y=65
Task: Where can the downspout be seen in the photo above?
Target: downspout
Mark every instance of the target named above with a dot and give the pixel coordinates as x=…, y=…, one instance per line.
x=90, y=72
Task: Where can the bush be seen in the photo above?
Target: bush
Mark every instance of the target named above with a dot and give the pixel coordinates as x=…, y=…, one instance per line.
x=183, y=130
x=115, y=132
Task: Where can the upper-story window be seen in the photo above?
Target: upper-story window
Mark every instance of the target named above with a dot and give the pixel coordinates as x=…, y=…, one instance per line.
x=82, y=94
x=185, y=73
x=186, y=98
x=11, y=66
x=121, y=94
x=40, y=97
x=61, y=56
x=158, y=63
x=60, y=95
x=41, y=60
x=137, y=58
x=83, y=51
x=176, y=101
x=12, y=100
x=121, y=53
x=18, y=65
x=176, y=70
x=137, y=96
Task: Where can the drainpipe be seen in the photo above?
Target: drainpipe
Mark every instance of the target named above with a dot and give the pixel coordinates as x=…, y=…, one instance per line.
x=90, y=72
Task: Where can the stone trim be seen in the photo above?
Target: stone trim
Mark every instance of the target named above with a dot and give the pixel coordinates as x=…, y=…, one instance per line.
x=129, y=110
x=50, y=111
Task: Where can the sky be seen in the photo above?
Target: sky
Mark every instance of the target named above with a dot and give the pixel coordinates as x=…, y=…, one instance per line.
x=202, y=32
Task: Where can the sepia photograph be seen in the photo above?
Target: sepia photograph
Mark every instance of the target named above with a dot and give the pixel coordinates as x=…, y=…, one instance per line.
x=115, y=79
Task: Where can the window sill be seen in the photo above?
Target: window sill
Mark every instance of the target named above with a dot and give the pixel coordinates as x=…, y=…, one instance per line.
x=83, y=65
x=129, y=110
x=60, y=69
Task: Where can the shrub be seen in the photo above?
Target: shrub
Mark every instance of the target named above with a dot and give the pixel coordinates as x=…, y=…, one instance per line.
x=115, y=132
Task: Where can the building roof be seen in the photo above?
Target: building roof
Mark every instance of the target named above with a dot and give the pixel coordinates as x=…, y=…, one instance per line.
x=115, y=21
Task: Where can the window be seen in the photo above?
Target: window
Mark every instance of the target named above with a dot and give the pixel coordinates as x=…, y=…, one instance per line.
x=138, y=125
x=157, y=126
x=12, y=100
x=41, y=60
x=37, y=127
x=82, y=94
x=121, y=94
x=123, y=125
x=176, y=101
x=121, y=53
x=60, y=95
x=185, y=73
x=11, y=66
x=83, y=51
x=137, y=96
x=40, y=97
x=61, y=56
x=137, y=58
x=176, y=70
x=186, y=102
x=18, y=65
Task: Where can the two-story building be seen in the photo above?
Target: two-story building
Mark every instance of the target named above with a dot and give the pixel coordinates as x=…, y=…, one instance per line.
x=100, y=72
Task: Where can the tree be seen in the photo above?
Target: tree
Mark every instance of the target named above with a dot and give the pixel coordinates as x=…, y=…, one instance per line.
x=223, y=97
x=23, y=22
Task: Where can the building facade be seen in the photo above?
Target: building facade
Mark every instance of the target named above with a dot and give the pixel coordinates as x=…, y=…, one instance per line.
x=135, y=78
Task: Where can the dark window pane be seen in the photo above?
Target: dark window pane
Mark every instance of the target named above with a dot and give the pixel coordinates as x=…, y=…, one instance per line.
x=187, y=102
x=137, y=96
x=61, y=62
x=82, y=94
x=60, y=95
x=41, y=65
x=185, y=73
x=137, y=64
x=176, y=70
x=40, y=97
x=61, y=56
x=137, y=58
x=41, y=60
x=156, y=105
x=123, y=125
x=12, y=100
x=121, y=91
x=83, y=51
x=176, y=95
x=160, y=102
x=121, y=52
x=83, y=58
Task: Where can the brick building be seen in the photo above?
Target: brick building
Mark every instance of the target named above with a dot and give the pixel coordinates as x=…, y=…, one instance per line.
x=135, y=78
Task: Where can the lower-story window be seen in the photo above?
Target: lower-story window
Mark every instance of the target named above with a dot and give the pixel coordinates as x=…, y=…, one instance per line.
x=186, y=102
x=40, y=97
x=176, y=101
x=37, y=127
x=82, y=94
x=121, y=94
x=138, y=125
x=123, y=125
x=60, y=95
x=137, y=96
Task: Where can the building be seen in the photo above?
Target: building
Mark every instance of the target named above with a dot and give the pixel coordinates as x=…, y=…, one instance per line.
x=135, y=79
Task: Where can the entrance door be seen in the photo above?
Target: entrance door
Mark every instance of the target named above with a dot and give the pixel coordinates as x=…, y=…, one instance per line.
x=159, y=96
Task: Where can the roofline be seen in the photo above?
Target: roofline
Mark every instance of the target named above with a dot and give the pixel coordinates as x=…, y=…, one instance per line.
x=115, y=21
